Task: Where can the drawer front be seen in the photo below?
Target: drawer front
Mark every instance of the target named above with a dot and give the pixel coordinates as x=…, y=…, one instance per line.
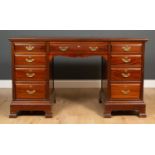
x=125, y=91
x=30, y=60
x=125, y=74
x=126, y=60
x=31, y=74
x=29, y=47
x=79, y=47
x=127, y=47
x=31, y=91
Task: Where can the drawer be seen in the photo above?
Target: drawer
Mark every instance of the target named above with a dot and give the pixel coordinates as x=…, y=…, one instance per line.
x=31, y=74
x=127, y=47
x=29, y=60
x=126, y=60
x=31, y=90
x=125, y=74
x=30, y=47
x=125, y=91
x=78, y=47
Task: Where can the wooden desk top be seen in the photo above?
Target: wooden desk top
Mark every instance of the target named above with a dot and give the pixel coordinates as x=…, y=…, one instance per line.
x=90, y=39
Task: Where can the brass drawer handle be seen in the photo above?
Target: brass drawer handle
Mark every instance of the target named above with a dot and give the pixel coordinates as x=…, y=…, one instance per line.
x=31, y=92
x=63, y=48
x=93, y=48
x=30, y=75
x=126, y=48
x=126, y=60
x=29, y=60
x=29, y=47
x=125, y=75
x=125, y=92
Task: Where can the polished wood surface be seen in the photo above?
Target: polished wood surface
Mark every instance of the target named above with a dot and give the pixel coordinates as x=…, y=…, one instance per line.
x=31, y=90
x=127, y=47
x=31, y=74
x=125, y=91
x=90, y=39
x=30, y=59
x=125, y=67
x=30, y=78
x=78, y=46
x=126, y=74
x=126, y=60
x=29, y=47
x=77, y=106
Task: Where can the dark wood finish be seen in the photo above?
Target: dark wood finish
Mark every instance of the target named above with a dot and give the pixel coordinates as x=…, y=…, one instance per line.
x=31, y=74
x=125, y=71
x=30, y=78
x=132, y=97
x=17, y=106
x=125, y=91
x=139, y=106
x=31, y=90
x=126, y=60
x=29, y=47
x=30, y=60
x=127, y=47
x=78, y=47
x=126, y=74
x=75, y=39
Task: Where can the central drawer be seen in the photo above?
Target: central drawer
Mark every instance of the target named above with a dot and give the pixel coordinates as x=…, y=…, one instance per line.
x=31, y=90
x=78, y=46
x=31, y=74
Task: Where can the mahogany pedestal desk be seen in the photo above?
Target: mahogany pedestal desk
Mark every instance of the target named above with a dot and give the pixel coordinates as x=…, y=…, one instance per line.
x=30, y=68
